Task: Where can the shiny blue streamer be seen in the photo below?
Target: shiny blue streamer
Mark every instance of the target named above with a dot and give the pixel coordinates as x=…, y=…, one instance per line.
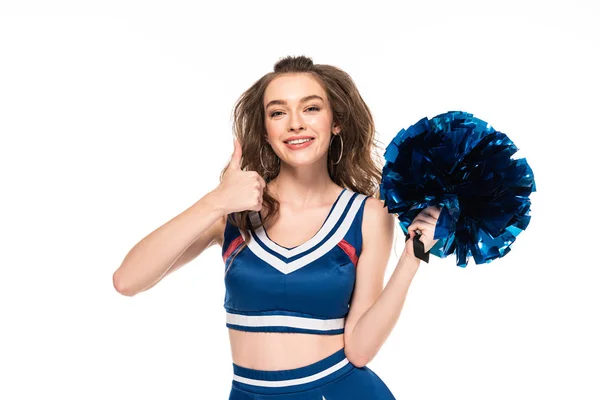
x=463, y=165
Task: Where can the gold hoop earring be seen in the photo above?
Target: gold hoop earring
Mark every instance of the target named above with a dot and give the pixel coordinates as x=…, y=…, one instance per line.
x=341, y=147
x=260, y=156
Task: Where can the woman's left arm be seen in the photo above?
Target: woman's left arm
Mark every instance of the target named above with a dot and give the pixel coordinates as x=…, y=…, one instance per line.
x=374, y=310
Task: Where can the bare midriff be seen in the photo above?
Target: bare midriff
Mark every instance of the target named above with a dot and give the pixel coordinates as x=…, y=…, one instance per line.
x=274, y=351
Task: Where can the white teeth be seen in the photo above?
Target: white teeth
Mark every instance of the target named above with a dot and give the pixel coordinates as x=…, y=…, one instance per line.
x=298, y=141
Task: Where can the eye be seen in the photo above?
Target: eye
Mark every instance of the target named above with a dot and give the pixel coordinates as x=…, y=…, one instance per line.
x=274, y=114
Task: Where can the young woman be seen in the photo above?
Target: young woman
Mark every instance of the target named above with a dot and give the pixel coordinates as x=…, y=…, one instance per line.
x=305, y=240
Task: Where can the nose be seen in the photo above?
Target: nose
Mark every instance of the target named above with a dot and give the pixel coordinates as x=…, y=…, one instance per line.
x=296, y=123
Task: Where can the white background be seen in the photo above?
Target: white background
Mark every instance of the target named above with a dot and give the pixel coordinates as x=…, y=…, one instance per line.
x=115, y=117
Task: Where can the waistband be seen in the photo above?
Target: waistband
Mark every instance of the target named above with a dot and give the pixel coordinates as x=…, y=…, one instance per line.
x=292, y=380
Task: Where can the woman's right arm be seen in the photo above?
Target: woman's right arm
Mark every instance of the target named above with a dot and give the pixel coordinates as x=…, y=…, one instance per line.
x=186, y=236
x=172, y=245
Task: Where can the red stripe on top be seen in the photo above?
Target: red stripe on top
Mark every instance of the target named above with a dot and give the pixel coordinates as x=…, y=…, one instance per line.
x=350, y=250
x=232, y=246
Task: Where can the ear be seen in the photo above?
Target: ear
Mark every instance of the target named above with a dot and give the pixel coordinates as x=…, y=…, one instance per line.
x=336, y=129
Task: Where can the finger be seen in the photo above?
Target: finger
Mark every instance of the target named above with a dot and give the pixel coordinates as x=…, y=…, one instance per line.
x=263, y=184
x=427, y=218
x=237, y=155
x=418, y=225
x=433, y=211
x=259, y=204
x=258, y=179
x=421, y=223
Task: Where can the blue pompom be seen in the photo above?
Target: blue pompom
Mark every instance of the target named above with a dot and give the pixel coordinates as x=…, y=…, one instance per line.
x=460, y=163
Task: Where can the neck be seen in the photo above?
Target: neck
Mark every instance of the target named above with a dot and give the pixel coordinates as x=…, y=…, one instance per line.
x=304, y=186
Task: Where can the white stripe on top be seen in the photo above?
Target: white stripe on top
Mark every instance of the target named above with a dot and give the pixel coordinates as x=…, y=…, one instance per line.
x=285, y=320
x=316, y=252
x=292, y=382
x=332, y=219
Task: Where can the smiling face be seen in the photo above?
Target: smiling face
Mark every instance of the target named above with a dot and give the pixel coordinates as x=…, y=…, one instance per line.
x=298, y=119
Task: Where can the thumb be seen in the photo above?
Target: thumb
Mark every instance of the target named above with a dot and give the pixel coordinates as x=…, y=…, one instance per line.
x=237, y=155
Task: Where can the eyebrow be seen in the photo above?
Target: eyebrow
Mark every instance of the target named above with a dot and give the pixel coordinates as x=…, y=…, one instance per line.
x=302, y=100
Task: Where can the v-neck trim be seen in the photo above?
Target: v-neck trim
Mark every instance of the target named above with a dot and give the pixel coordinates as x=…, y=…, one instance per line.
x=336, y=225
x=331, y=209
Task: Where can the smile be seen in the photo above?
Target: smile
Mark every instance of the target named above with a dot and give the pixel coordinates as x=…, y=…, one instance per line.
x=299, y=143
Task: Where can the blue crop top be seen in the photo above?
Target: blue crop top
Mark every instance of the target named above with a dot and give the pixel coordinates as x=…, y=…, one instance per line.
x=304, y=289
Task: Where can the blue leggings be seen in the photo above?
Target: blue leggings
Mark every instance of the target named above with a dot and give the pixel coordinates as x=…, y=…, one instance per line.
x=332, y=378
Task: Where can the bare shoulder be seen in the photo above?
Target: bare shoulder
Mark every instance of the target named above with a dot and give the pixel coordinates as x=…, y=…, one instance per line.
x=377, y=222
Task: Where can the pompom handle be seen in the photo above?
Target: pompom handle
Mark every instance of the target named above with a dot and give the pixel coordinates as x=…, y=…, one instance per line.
x=418, y=247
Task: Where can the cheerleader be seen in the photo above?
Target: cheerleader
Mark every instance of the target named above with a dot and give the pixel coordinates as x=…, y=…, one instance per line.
x=305, y=240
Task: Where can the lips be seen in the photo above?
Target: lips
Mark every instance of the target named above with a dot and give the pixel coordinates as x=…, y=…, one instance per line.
x=298, y=138
x=299, y=146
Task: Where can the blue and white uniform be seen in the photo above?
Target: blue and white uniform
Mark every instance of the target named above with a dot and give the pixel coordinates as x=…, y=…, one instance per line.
x=304, y=289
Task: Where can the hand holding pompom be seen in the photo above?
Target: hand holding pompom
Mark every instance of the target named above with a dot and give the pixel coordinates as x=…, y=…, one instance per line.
x=463, y=165
x=422, y=228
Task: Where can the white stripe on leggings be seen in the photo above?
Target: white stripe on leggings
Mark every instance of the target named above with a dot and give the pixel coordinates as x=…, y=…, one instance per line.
x=291, y=382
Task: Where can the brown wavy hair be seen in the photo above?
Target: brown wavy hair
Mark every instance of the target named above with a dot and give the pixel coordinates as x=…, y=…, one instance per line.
x=359, y=168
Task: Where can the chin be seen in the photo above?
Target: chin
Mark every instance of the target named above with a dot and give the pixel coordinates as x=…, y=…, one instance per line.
x=302, y=161
x=306, y=154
